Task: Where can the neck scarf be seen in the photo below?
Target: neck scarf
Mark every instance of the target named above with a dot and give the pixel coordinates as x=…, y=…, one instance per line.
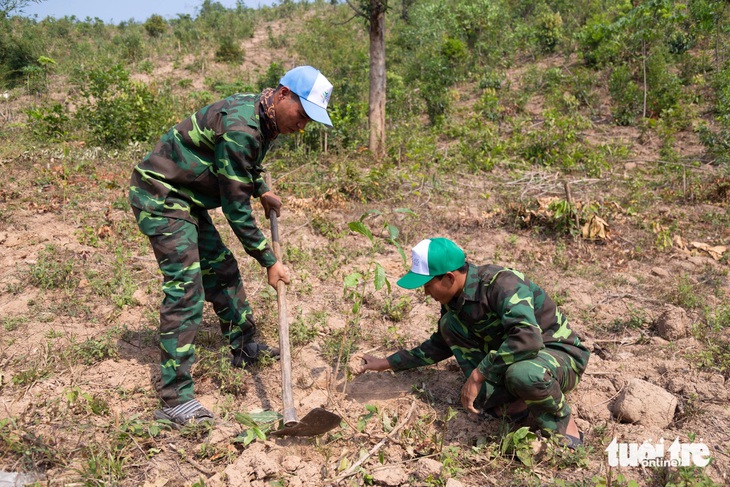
x=268, y=113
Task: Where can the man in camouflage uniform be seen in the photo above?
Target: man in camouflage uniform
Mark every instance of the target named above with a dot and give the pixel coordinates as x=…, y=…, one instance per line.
x=209, y=160
x=513, y=345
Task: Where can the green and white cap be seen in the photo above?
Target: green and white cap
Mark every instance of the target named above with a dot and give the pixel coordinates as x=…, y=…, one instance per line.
x=432, y=257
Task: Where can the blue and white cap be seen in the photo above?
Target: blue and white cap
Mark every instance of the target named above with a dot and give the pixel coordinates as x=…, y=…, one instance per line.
x=313, y=89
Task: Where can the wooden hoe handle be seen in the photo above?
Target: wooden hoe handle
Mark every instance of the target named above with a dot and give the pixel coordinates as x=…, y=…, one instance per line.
x=289, y=412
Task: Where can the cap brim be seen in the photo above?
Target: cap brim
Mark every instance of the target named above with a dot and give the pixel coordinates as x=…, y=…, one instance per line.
x=413, y=280
x=316, y=113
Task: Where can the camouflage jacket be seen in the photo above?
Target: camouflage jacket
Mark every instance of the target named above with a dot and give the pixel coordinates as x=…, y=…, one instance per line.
x=211, y=159
x=510, y=317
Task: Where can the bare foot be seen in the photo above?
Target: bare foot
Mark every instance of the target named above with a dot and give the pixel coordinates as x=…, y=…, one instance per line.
x=572, y=428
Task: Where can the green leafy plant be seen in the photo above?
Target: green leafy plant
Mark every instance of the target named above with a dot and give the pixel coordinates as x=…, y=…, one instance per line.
x=364, y=419
x=216, y=366
x=53, y=121
x=155, y=26
x=94, y=350
x=304, y=330
x=228, y=50
x=54, y=269
x=519, y=444
x=11, y=323
x=118, y=110
x=257, y=424
x=31, y=450
x=79, y=400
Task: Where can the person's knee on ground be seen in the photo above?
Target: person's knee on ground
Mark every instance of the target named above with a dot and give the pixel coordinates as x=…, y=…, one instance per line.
x=541, y=393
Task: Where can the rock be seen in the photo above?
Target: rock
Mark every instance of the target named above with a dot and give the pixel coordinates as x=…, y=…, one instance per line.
x=12, y=479
x=646, y=404
x=672, y=323
x=453, y=483
x=141, y=297
x=699, y=260
x=656, y=342
x=291, y=463
x=223, y=432
x=659, y=272
x=427, y=468
x=594, y=404
x=390, y=476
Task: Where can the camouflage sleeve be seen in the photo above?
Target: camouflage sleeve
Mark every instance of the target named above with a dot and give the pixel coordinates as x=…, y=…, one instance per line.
x=233, y=154
x=259, y=185
x=429, y=352
x=513, y=302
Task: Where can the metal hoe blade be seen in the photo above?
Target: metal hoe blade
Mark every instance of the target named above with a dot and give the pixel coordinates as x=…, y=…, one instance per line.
x=316, y=422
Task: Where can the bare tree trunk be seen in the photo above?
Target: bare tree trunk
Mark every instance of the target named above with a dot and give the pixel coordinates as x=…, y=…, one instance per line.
x=376, y=115
x=643, y=65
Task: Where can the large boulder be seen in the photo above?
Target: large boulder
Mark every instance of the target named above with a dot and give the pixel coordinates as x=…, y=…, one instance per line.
x=646, y=404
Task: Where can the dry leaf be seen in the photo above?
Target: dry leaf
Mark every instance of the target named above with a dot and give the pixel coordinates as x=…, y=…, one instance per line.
x=595, y=229
x=104, y=231
x=714, y=251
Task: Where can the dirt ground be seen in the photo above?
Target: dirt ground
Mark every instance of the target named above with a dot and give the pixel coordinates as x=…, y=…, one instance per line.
x=600, y=285
x=617, y=293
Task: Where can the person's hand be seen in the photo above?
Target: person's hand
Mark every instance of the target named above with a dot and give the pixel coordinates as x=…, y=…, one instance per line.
x=271, y=202
x=470, y=391
x=276, y=273
x=362, y=362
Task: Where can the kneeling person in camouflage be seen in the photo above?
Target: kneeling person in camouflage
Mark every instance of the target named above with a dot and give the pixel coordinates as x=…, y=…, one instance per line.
x=209, y=160
x=515, y=348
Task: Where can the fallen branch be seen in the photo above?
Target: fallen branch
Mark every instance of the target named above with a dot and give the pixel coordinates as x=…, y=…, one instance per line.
x=353, y=469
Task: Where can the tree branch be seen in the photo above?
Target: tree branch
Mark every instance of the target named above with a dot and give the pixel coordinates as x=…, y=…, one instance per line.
x=357, y=10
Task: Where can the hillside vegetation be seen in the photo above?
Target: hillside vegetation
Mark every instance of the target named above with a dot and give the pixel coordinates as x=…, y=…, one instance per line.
x=585, y=143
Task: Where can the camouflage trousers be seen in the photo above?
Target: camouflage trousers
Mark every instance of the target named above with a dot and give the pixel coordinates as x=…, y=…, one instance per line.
x=541, y=382
x=196, y=267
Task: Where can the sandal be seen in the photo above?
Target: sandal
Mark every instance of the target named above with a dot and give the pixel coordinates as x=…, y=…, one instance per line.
x=250, y=354
x=188, y=412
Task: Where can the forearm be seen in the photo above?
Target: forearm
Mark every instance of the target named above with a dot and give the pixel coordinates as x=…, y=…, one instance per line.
x=428, y=353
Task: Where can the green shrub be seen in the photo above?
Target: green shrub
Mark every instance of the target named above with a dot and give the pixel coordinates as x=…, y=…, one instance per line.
x=228, y=50
x=49, y=122
x=663, y=85
x=549, y=29
x=716, y=142
x=598, y=46
x=130, y=46
x=721, y=83
x=16, y=53
x=118, y=110
x=53, y=270
x=270, y=79
x=626, y=96
x=186, y=31
x=228, y=87
x=155, y=26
